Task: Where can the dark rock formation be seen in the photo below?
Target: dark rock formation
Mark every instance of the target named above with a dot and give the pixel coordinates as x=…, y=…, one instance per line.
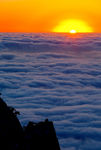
x=11, y=131
x=33, y=137
x=41, y=136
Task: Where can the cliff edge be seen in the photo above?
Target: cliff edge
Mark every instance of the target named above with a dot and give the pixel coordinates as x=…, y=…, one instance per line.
x=34, y=136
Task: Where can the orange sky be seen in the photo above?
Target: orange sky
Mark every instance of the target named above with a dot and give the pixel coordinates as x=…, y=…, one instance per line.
x=45, y=15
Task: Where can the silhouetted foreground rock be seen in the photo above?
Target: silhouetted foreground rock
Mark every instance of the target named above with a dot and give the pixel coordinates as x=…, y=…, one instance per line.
x=32, y=137
x=41, y=136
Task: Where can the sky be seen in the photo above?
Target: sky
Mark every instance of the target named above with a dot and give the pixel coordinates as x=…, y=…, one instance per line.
x=47, y=15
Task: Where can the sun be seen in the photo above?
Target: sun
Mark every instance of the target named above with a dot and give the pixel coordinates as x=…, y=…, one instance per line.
x=72, y=31
x=73, y=26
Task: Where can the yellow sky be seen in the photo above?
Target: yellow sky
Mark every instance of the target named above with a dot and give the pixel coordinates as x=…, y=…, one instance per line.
x=45, y=15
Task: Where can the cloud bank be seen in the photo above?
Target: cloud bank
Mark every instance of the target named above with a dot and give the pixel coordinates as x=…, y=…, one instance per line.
x=56, y=77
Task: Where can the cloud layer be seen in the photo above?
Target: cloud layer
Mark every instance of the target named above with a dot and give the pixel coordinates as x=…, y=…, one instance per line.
x=56, y=77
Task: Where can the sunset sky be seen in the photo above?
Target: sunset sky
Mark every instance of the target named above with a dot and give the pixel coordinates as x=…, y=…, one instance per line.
x=49, y=15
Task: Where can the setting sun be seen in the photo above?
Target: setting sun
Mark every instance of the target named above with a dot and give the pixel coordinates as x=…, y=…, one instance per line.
x=73, y=26
x=72, y=31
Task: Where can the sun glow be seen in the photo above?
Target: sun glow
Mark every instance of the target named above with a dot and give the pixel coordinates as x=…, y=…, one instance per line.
x=72, y=31
x=73, y=26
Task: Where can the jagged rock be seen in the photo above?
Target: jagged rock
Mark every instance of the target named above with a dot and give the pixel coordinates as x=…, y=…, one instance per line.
x=35, y=136
x=11, y=132
x=41, y=136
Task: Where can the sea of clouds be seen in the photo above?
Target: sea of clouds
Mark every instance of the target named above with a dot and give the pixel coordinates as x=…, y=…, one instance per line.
x=55, y=76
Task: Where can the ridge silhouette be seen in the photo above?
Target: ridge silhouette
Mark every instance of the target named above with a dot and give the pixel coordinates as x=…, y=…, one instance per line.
x=34, y=136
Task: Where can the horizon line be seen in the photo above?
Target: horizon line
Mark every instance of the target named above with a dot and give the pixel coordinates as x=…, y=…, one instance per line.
x=52, y=32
